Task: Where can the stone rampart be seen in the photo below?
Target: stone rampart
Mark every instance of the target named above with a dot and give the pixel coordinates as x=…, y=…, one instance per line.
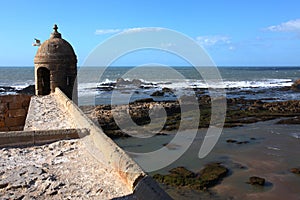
x=13, y=111
x=142, y=185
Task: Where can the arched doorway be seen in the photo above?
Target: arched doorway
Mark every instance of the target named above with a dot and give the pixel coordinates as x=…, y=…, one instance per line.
x=43, y=76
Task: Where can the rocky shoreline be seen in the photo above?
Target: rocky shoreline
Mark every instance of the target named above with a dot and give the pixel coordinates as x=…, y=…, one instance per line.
x=240, y=111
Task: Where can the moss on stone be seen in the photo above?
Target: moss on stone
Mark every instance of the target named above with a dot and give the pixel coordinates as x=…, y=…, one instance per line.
x=209, y=176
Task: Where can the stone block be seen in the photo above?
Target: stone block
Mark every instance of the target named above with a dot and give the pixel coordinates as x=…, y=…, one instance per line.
x=2, y=123
x=14, y=105
x=17, y=113
x=3, y=108
x=25, y=103
x=16, y=121
x=4, y=129
x=16, y=128
x=6, y=98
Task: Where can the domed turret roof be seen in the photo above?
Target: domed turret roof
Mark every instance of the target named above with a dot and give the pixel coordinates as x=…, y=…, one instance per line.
x=55, y=49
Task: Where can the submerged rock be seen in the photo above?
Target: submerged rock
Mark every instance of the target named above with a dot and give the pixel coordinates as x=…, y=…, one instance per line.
x=209, y=176
x=295, y=170
x=237, y=142
x=255, y=180
x=231, y=141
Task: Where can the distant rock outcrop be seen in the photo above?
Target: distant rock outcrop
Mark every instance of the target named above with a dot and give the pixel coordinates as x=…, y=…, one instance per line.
x=121, y=81
x=28, y=90
x=296, y=86
x=158, y=93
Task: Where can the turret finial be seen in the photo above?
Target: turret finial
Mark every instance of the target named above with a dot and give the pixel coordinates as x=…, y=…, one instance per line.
x=55, y=28
x=55, y=33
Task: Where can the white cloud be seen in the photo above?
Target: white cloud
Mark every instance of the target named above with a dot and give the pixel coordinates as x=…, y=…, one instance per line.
x=212, y=40
x=106, y=31
x=289, y=26
x=141, y=29
x=127, y=30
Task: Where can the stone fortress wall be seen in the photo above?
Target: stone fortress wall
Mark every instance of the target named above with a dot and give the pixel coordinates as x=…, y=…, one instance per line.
x=104, y=150
x=141, y=184
x=53, y=115
x=13, y=112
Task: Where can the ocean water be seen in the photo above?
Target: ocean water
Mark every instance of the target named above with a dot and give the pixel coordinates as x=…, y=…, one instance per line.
x=274, y=151
x=94, y=83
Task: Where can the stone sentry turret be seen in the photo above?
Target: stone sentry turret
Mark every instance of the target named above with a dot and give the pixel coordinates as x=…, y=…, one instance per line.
x=56, y=66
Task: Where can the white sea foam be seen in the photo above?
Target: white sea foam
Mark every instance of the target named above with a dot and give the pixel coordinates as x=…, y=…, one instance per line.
x=177, y=84
x=273, y=148
x=295, y=135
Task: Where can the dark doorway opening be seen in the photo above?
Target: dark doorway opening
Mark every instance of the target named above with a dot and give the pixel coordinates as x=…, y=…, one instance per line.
x=43, y=76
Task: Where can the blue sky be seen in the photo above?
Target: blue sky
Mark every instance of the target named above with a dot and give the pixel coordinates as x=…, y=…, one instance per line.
x=234, y=33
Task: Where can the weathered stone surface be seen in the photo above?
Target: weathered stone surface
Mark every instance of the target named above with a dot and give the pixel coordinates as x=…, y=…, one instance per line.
x=16, y=128
x=3, y=108
x=13, y=111
x=15, y=121
x=60, y=170
x=15, y=105
x=45, y=113
x=3, y=128
x=17, y=113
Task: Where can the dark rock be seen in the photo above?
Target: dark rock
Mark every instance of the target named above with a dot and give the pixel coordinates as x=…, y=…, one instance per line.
x=105, y=88
x=28, y=90
x=236, y=142
x=296, y=86
x=121, y=81
x=182, y=171
x=243, y=142
x=157, y=93
x=213, y=173
x=145, y=100
x=254, y=180
x=231, y=141
x=209, y=176
x=295, y=170
x=6, y=89
x=136, y=82
x=294, y=120
x=167, y=90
